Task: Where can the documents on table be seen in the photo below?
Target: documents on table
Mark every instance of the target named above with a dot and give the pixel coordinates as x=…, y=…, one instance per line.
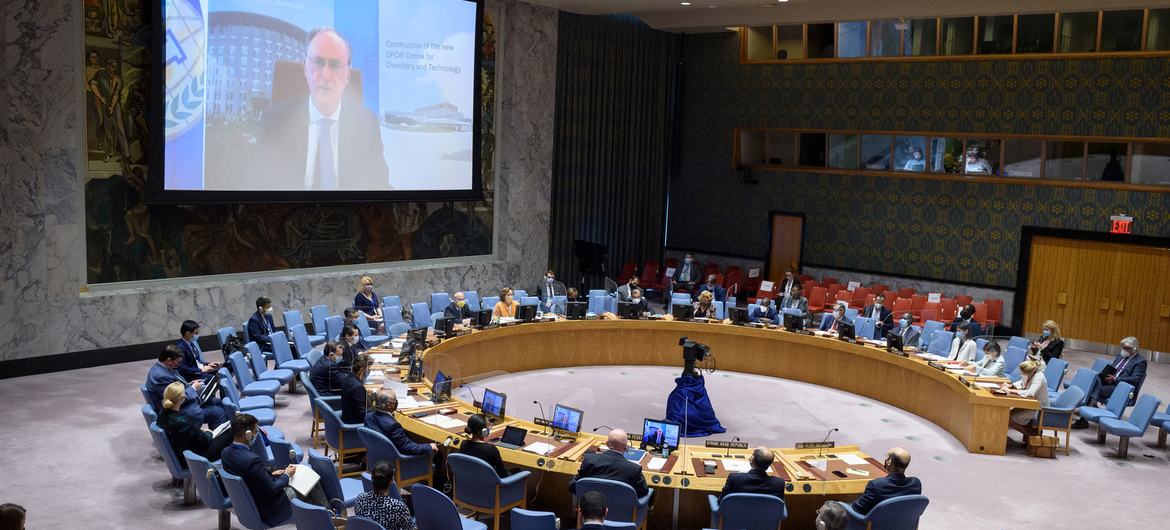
x=736, y=466
x=985, y=384
x=853, y=460
x=408, y=402
x=397, y=343
x=858, y=472
x=375, y=375
x=656, y=463
x=539, y=448
x=384, y=358
x=818, y=463
x=398, y=387
x=444, y=422
x=303, y=479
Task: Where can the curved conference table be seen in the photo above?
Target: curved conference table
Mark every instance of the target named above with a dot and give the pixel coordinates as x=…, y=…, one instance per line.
x=975, y=416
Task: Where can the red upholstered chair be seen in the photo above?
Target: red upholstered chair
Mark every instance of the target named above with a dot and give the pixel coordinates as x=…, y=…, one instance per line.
x=808, y=285
x=877, y=288
x=628, y=270
x=659, y=284
x=709, y=269
x=890, y=295
x=981, y=312
x=734, y=277
x=817, y=297
x=906, y=292
x=832, y=289
x=930, y=311
x=949, y=309
x=963, y=299
x=828, y=281
x=901, y=305
x=844, y=296
x=649, y=273
x=917, y=302
x=859, y=296
x=994, y=310
x=804, y=278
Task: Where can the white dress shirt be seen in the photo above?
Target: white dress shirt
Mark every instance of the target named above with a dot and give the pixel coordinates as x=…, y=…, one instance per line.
x=962, y=350
x=311, y=160
x=1036, y=387
x=988, y=367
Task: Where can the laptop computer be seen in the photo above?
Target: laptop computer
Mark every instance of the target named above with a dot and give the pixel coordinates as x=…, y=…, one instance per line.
x=513, y=437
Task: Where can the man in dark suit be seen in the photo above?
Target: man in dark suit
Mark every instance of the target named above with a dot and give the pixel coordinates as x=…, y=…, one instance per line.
x=269, y=488
x=260, y=325
x=353, y=389
x=458, y=307
x=967, y=316
x=796, y=300
x=326, y=375
x=687, y=274
x=894, y=484
x=626, y=292
x=833, y=320
x=766, y=310
x=788, y=282
x=592, y=511
x=329, y=142
x=642, y=303
x=756, y=480
x=610, y=463
x=882, y=316
x=906, y=330
x=381, y=419
x=1130, y=367
x=165, y=372
x=192, y=368
x=717, y=291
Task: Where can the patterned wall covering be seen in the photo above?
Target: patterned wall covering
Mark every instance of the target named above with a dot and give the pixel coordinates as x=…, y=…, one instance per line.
x=955, y=231
x=129, y=240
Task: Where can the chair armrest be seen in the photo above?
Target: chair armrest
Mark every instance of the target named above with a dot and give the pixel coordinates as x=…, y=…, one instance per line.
x=853, y=515
x=713, y=501
x=351, y=426
x=1064, y=410
x=645, y=501
x=515, y=478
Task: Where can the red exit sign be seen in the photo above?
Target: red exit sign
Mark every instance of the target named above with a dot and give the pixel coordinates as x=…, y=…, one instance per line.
x=1120, y=224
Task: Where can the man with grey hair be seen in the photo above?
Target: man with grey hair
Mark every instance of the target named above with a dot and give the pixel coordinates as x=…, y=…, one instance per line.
x=610, y=463
x=894, y=484
x=832, y=516
x=1129, y=366
x=756, y=479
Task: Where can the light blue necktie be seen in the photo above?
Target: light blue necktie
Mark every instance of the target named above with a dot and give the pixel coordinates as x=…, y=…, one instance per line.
x=325, y=178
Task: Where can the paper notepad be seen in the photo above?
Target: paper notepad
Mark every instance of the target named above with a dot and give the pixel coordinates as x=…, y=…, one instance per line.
x=539, y=448
x=443, y=422
x=858, y=472
x=384, y=358
x=853, y=460
x=852, y=286
x=304, y=479
x=398, y=387
x=822, y=465
x=736, y=466
x=656, y=463
x=985, y=384
x=397, y=342
x=934, y=297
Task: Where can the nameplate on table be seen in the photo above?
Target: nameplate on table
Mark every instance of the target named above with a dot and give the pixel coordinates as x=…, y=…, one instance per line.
x=816, y=445
x=542, y=422
x=720, y=444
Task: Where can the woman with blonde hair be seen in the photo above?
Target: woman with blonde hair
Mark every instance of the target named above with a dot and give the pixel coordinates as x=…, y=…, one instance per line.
x=184, y=434
x=507, y=306
x=367, y=301
x=705, y=308
x=1050, y=345
x=1032, y=384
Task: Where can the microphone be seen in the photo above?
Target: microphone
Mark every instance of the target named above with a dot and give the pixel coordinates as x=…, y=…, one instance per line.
x=727, y=453
x=542, y=415
x=597, y=428
x=471, y=390
x=830, y=433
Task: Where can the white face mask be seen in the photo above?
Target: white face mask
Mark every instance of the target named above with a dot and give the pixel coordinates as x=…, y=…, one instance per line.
x=268, y=311
x=877, y=305
x=637, y=299
x=838, y=314
x=351, y=340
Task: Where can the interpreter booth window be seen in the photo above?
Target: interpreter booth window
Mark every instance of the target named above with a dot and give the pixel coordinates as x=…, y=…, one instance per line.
x=1121, y=31
x=820, y=41
x=1078, y=32
x=1158, y=30
x=981, y=157
x=782, y=148
x=910, y=153
x=751, y=147
x=851, y=39
x=875, y=151
x=958, y=35
x=1035, y=33
x=1021, y=158
x=1151, y=164
x=812, y=149
x=790, y=42
x=946, y=155
x=759, y=43
x=885, y=39
x=921, y=37
x=995, y=34
x=843, y=151
x=1106, y=162
x=1064, y=160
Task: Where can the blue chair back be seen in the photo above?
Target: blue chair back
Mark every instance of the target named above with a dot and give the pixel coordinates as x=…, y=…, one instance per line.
x=293, y=318
x=440, y=301
x=311, y=517
x=1119, y=399
x=392, y=314
x=518, y=294
x=357, y=522
x=928, y=329
x=279, y=349
x=851, y=313
x=1012, y=357
x=598, y=291
x=530, y=300
x=898, y=512
x=719, y=309
x=392, y=300
x=378, y=448
x=522, y=519
x=1099, y=365
x=398, y=328
x=330, y=484
x=751, y=308
x=225, y=334
x=206, y=482
x=149, y=415
x=472, y=298
x=679, y=298
x=751, y=510
x=247, y=337
x=1084, y=379
x=319, y=313
x=422, y=315
x=979, y=344
x=940, y=343
x=433, y=510
x=1068, y=399
x=560, y=303
x=163, y=444
x=148, y=397
x=620, y=497
x=597, y=303
x=256, y=359
x=226, y=383
x=730, y=301
x=242, y=502
x=334, y=428
x=1054, y=373
x=1144, y=411
x=363, y=325
x=283, y=454
x=240, y=366
x=435, y=316
x=475, y=481
x=489, y=302
x=863, y=327
x=333, y=325
x=301, y=341
x=1019, y=342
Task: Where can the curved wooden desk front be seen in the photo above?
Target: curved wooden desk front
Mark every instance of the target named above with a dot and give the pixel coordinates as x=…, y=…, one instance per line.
x=976, y=417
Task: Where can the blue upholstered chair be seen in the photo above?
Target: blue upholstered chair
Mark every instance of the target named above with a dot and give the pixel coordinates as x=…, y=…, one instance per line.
x=1058, y=415
x=248, y=385
x=940, y=343
x=341, y=437
x=244, y=403
x=407, y=469
x=598, y=292
x=1084, y=379
x=1018, y=342
x=623, y=503
x=311, y=517
x=1161, y=419
x=207, y=486
x=390, y=301
x=264, y=417
x=333, y=325
x=472, y=298
x=1135, y=425
x=397, y=329
x=863, y=327
x=597, y=303
x=392, y=314
x=979, y=344
x=489, y=302
x=928, y=329
x=260, y=366
x=747, y=510
x=357, y=522
x=367, y=333
x=679, y=298
x=720, y=309
x=344, y=489
x=521, y=519
x=179, y=474
x=303, y=347
x=149, y=415
x=1098, y=365
x=422, y=315
x=293, y=319
x=284, y=356
x=224, y=334
x=476, y=486
x=1054, y=372
x=530, y=300
x=852, y=313
x=242, y=502
x=282, y=452
x=440, y=301
x=519, y=293
x=318, y=425
x=898, y=513
x=1012, y=357
x=560, y=302
x=435, y=317
x=1114, y=408
x=434, y=511
x=318, y=314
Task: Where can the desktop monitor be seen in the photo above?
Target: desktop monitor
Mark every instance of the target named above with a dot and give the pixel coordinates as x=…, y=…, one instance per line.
x=628, y=310
x=526, y=313
x=682, y=311
x=660, y=433
x=576, y=310
x=441, y=387
x=482, y=318
x=893, y=341
x=444, y=325
x=793, y=322
x=738, y=315
x=493, y=403
x=566, y=419
x=419, y=335
x=845, y=330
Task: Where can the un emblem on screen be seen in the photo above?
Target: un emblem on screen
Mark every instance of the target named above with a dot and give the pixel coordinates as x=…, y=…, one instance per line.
x=185, y=63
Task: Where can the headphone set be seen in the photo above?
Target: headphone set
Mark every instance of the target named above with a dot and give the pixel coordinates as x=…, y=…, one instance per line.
x=479, y=419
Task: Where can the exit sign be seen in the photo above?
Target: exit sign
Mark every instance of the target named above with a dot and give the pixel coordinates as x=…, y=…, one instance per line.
x=1120, y=224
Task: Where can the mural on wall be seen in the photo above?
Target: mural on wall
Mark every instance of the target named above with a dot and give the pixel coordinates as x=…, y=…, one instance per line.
x=128, y=240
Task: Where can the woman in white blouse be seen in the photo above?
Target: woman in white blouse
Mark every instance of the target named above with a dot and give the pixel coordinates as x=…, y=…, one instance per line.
x=963, y=346
x=991, y=365
x=1031, y=384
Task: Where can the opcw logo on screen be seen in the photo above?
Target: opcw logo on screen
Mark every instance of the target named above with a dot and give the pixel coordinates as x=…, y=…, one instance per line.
x=185, y=61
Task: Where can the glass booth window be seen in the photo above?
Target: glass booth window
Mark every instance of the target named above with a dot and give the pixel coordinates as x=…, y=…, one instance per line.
x=920, y=37
x=1106, y=162
x=751, y=146
x=1151, y=164
x=958, y=35
x=1078, y=32
x=885, y=38
x=945, y=155
x=995, y=34
x=875, y=151
x=843, y=151
x=910, y=153
x=1158, y=30
x=812, y=149
x=1064, y=160
x=790, y=42
x=851, y=39
x=1035, y=33
x=781, y=148
x=1021, y=158
x=820, y=41
x=981, y=157
x=1121, y=31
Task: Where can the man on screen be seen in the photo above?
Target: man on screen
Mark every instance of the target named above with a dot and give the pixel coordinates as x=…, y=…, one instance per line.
x=327, y=143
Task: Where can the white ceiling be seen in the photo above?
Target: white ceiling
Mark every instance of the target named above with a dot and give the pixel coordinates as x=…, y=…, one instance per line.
x=700, y=16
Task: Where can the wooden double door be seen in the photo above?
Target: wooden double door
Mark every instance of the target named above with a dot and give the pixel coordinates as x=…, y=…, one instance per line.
x=1100, y=291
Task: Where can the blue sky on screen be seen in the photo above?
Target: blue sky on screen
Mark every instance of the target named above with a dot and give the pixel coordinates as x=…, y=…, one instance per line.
x=305, y=14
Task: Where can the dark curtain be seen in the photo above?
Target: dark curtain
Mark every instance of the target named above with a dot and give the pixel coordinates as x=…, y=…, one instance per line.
x=616, y=82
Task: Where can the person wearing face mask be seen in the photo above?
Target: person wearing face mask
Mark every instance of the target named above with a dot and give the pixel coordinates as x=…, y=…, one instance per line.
x=458, y=307
x=1031, y=383
x=881, y=315
x=704, y=308
x=381, y=419
x=789, y=281
x=636, y=297
x=832, y=321
x=353, y=390
x=325, y=374
x=184, y=435
x=260, y=325
x=1050, y=345
x=967, y=316
x=624, y=292
x=766, y=312
x=907, y=331
x=716, y=290
x=507, y=305
x=165, y=372
x=367, y=301
x=991, y=365
x=894, y=484
x=269, y=488
x=548, y=290
x=688, y=273
x=796, y=300
x=1129, y=366
x=352, y=344
x=962, y=346
x=192, y=367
